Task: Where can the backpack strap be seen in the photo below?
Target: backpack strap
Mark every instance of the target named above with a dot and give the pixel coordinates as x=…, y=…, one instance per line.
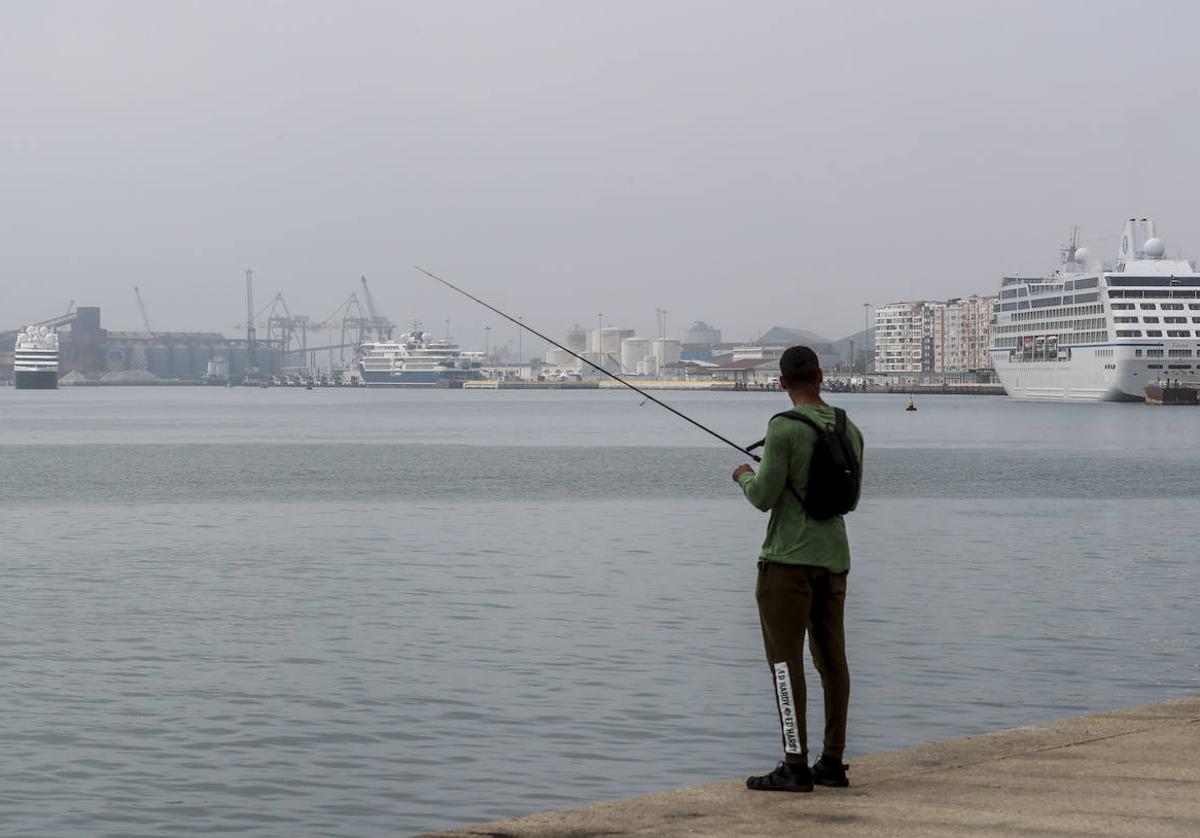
x=790, y=415
x=839, y=424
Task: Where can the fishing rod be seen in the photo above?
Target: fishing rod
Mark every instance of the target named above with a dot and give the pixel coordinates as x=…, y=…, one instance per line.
x=597, y=367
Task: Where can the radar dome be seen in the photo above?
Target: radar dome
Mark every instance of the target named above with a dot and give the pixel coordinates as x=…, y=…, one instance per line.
x=1081, y=255
x=1155, y=248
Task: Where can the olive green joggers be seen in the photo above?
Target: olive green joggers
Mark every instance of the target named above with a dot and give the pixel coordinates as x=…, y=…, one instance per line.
x=793, y=600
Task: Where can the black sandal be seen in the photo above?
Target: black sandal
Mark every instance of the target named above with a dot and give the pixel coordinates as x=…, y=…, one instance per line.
x=785, y=777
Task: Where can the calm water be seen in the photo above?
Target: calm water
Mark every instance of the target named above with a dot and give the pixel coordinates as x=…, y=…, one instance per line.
x=284, y=612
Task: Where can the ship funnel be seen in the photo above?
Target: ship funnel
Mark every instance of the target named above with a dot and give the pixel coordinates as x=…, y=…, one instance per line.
x=1129, y=240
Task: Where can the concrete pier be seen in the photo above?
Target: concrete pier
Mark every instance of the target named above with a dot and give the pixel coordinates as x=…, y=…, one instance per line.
x=1130, y=773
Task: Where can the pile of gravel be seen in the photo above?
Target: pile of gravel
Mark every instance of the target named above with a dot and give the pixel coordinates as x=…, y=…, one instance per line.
x=129, y=377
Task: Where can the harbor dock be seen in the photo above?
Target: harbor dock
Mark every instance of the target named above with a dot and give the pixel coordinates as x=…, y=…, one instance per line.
x=1133, y=772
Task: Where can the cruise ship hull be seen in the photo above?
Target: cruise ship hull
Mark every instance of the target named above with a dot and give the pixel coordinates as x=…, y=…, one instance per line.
x=1100, y=332
x=35, y=379
x=415, y=378
x=1089, y=376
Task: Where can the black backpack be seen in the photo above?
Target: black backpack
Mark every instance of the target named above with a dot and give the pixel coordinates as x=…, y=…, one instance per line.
x=833, y=472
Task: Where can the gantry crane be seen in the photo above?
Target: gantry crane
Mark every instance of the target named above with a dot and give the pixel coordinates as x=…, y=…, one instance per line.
x=381, y=325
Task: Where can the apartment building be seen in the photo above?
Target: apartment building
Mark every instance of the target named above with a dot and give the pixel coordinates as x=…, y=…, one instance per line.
x=904, y=337
x=933, y=336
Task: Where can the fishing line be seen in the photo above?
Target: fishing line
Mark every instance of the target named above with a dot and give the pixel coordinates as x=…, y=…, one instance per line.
x=522, y=324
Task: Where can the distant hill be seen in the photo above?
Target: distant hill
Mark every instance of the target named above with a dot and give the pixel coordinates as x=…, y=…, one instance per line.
x=823, y=346
x=842, y=347
x=782, y=336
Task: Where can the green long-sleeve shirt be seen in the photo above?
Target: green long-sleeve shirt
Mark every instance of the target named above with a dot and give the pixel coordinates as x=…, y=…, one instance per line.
x=793, y=537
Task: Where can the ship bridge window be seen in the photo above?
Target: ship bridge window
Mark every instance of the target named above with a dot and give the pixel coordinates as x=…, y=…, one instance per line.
x=1147, y=306
x=1125, y=319
x=1129, y=333
x=1154, y=281
x=1122, y=306
x=1046, y=302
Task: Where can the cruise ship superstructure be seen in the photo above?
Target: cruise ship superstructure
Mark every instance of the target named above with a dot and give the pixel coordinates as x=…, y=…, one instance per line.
x=417, y=359
x=1100, y=332
x=35, y=359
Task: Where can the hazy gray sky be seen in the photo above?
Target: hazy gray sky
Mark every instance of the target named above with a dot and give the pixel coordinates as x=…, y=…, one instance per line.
x=745, y=163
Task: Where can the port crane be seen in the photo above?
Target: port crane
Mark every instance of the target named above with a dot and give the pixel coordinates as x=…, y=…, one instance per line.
x=381, y=325
x=60, y=320
x=142, y=307
x=283, y=327
x=251, y=348
x=355, y=324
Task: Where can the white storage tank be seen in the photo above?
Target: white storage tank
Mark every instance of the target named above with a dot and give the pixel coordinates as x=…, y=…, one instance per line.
x=666, y=351
x=648, y=366
x=556, y=357
x=633, y=350
x=609, y=339
x=577, y=339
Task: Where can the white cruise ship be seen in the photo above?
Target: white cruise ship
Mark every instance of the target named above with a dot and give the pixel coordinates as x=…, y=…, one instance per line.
x=35, y=359
x=416, y=360
x=1100, y=332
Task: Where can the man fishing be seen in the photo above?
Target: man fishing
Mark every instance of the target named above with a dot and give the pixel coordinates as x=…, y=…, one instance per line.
x=810, y=474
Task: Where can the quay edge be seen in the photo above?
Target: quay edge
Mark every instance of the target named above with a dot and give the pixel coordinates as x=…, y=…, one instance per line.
x=1133, y=772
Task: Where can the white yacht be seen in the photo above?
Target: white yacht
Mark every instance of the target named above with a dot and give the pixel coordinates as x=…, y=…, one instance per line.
x=417, y=359
x=1094, y=331
x=35, y=359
